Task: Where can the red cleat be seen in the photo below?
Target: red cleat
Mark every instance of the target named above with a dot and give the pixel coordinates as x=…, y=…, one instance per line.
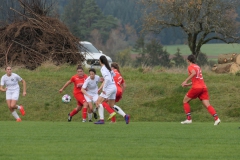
x=22, y=110
x=18, y=120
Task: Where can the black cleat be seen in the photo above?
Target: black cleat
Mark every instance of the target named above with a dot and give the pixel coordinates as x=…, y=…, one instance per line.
x=69, y=118
x=95, y=115
x=90, y=120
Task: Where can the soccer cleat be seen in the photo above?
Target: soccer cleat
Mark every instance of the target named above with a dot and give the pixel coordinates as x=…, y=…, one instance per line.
x=99, y=122
x=95, y=115
x=90, y=120
x=22, y=110
x=186, y=121
x=111, y=115
x=217, y=122
x=127, y=118
x=18, y=120
x=69, y=117
x=84, y=120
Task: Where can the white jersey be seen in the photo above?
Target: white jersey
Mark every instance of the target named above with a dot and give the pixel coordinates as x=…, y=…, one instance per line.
x=108, y=77
x=11, y=82
x=91, y=85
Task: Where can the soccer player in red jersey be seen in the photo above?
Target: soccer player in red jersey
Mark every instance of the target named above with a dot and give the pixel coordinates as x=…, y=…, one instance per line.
x=198, y=90
x=78, y=80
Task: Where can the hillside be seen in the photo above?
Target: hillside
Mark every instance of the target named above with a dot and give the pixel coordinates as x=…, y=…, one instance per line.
x=151, y=95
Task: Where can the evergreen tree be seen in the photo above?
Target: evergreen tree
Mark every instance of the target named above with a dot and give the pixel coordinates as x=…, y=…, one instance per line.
x=83, y=16
x=151, y=54
x=140, y=48
x=128, y=11
x=156, y=54
x=90, y=15
x=179, y=59
x=202, y=59
x=72, y=15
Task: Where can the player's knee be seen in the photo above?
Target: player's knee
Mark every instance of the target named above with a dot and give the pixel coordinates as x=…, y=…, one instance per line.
x=12, y=106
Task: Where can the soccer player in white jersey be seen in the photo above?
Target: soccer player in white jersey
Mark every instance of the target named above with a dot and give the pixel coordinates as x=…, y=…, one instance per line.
x=109, y=89
x=90, y=91
x=10, y=81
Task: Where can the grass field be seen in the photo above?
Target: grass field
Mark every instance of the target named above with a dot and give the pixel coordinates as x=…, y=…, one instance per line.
x=152, y=94
x=153, y=98
x=138, y=140
x=209, y=49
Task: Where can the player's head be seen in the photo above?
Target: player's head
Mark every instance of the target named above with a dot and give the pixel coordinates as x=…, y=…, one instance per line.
x=114, y=65
x=80, y=70
x=92, y=73
x=191, y=58
x=8, y=70
x=103, y=61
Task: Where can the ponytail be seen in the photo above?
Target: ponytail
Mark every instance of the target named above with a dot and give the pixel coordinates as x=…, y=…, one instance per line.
x=115, y=66
x=104, y=61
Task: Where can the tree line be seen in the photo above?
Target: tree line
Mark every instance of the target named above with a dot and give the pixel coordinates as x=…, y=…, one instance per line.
x=114, y=25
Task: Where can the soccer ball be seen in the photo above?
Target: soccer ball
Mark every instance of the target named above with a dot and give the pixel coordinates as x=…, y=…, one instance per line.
x=66, y=98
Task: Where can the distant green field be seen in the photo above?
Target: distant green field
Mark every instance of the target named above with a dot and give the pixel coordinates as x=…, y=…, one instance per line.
x=31, y=140
x=209, y=49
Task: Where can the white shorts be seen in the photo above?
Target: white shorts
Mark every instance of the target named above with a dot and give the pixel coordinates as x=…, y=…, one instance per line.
x=110, y=92
x=13, y=95
x=95, y=97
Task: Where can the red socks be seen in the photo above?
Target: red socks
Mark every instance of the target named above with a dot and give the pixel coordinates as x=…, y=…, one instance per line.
x=113, y=119
x=212, y=111
x=74, y=111
x=107, y=107
x=187, y=110
x=84, y=113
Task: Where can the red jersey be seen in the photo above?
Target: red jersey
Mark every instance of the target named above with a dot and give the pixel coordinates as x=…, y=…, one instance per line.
x=118, y=79
x=78, y=82
x=197, y=80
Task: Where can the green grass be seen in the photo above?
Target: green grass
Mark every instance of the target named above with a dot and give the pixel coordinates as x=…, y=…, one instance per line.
x=209, y=49
x=151, y=95
x=138, y=140
x=153, y=98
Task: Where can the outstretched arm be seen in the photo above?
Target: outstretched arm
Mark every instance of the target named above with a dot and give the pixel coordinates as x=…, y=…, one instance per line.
x=65, y=85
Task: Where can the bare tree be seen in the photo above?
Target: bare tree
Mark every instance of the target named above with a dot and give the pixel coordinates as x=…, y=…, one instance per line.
x=201, y=20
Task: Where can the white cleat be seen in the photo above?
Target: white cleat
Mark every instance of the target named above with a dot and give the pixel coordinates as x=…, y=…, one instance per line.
x=186, y=122
x=217, y=122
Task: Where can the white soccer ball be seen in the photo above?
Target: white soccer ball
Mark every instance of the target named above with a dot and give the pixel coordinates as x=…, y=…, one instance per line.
x=66, y=98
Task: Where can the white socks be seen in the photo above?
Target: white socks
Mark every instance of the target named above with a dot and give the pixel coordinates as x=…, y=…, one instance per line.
x=89, y=116
x=101, y=112
x=119, y=110
x=15, y=115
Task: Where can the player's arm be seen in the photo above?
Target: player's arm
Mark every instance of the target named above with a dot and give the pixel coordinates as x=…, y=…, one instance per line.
x=123, y=85
x=65, y=85
x=3, y=89
x=2, y=86
x=100, y=88
x=185, y=83
x=84, y=89
x=24, y=87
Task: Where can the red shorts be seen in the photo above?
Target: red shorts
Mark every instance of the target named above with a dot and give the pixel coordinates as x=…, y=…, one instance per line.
x=118, y=96
x=201, y=93
x=80, y=99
